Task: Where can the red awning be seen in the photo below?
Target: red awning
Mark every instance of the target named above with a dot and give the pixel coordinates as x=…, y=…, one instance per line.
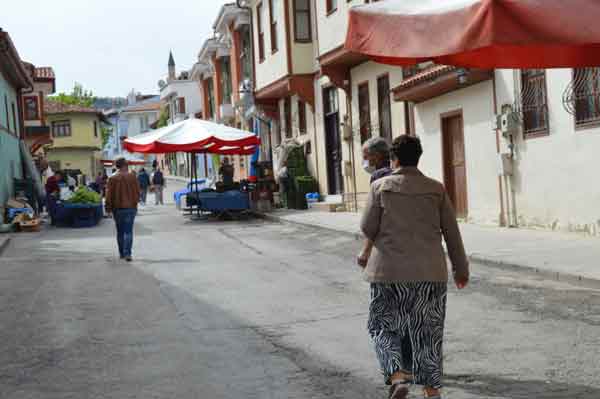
x=478, y=33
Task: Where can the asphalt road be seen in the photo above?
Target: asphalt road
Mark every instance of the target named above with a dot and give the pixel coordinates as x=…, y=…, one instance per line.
x=259, y=310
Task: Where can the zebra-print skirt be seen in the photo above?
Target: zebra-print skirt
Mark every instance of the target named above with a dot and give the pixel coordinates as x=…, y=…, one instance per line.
x=406, y=324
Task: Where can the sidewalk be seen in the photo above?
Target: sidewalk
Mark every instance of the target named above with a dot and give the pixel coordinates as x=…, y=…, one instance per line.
x=563, y=256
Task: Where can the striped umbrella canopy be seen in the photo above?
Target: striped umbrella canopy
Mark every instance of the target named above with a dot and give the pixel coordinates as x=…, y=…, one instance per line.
x=194, y=135
x=478, y=33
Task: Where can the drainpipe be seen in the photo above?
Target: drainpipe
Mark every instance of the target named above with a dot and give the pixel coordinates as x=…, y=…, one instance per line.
x=503, y=220
x=352, y=156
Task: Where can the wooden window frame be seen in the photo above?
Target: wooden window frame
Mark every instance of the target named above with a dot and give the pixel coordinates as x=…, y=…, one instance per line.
x=302, y=122
x=261, y=32
x=389, y=106
x=364, y=135
x=273, y=28
x=594, y=122
x=62, y=123
x=296, y=12
x=181, y=105
x=28, y=117
x=545, y=130
x=329, y=8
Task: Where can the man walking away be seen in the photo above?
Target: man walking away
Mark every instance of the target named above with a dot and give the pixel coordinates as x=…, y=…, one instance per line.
x=122, y=196
x=144, y=181
x=158, y=185
x=406, y=216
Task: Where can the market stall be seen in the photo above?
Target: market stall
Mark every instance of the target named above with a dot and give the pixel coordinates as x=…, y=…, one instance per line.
x=82, y=208
x=195, y=136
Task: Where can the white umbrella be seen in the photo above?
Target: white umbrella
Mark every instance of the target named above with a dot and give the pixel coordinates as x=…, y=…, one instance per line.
x=194, y=135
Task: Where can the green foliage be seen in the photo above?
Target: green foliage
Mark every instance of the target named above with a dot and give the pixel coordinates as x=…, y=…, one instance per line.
x=163, y=120
x=84, y=195
x=78, y=96
x=105, y=132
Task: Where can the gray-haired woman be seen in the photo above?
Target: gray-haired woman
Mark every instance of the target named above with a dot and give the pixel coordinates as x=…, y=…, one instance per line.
x=406, y=216
x=376, y=162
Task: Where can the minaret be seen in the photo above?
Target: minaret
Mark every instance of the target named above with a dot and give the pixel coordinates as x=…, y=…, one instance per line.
x=171, y=67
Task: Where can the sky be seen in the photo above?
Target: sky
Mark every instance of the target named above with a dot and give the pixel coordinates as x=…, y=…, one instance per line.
x=109, y=46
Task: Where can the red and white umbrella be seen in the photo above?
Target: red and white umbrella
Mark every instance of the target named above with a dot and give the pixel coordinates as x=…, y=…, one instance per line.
x=478, y=33
x=194, y=135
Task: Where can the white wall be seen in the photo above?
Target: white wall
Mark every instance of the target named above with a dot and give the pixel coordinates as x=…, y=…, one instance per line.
x=274, y=66
x=369, y=72
x=332, y=28
x=303, y=54
x=476, y=103
x=555, y=180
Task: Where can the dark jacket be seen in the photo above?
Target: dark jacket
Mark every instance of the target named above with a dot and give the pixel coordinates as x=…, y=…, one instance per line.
x=144, y=180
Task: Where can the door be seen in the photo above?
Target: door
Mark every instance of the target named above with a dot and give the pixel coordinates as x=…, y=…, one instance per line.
x=455, y=170
x=333, y=142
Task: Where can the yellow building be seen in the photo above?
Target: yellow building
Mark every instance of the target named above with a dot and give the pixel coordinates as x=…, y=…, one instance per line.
x=76, y=138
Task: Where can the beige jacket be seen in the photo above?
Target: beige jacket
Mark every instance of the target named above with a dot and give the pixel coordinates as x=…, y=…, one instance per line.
x=406, y=216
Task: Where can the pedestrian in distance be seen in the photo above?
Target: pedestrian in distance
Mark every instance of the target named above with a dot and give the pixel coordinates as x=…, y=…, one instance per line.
x=144, y=181
x=158, y=186
x=226, y=172
x=122, y=197
x=406, y=216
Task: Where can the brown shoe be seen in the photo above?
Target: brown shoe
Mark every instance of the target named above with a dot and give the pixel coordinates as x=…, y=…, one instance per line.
x=399, y=390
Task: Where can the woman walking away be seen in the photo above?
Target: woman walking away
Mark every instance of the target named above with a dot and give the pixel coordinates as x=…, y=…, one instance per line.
x=406, y=216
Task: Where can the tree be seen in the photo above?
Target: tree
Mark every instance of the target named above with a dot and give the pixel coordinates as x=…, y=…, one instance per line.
x=106, y=132
x=163, y=120
x=78, y=96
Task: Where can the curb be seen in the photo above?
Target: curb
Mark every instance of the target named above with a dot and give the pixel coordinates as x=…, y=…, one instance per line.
x=574, y=279
x=4, y=244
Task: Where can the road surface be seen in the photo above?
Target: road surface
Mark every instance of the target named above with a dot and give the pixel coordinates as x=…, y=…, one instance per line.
x=261, y=310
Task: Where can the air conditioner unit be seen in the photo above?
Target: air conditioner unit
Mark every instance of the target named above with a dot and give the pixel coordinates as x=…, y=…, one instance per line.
x=508, y=124
x=227, y=111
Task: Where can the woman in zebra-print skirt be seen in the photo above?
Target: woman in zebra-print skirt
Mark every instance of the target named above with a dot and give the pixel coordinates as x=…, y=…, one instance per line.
x=406, y=216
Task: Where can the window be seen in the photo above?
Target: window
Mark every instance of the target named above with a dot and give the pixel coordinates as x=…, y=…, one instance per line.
x=210, y=95
x=331, y=100
x=273, y=23
x=261, y=32
x=95, y=129
x=364, y=112
x=287, y=115
x=181, y=105
x=32, y=109
x=7, y=114
x=61, y=129
x=384, y=105
x=331, y=6
x=14, y=117
x=246, y=54
x=301, y=117
x=587, y=95
x=534, y=98
x=302, y=28
x=226, y=79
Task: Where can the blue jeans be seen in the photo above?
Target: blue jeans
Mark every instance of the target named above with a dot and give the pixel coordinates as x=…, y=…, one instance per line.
x=124, y=219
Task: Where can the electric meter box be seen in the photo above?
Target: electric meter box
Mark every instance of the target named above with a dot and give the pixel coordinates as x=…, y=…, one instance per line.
x=508, y=124
x=505, y=165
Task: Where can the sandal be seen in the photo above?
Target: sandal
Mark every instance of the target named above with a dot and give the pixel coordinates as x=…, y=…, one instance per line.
x=399, y=389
